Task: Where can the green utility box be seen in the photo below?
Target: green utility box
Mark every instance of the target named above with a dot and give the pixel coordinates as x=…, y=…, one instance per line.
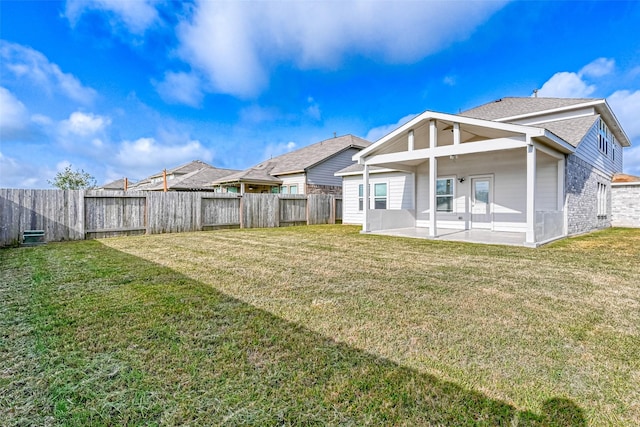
x=33, y=237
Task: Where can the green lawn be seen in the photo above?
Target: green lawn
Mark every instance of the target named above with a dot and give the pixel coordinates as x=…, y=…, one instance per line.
x=320, y=326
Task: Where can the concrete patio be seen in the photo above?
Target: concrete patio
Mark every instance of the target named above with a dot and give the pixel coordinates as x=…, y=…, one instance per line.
x=472, y=236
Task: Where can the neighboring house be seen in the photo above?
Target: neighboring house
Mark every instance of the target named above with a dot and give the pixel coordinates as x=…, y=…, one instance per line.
x=625, y=201
x=542, y=167
x=117, y=185
x=309, y=170
x=192, y=176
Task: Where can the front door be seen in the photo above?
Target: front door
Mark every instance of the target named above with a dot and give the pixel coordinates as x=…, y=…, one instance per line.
x=481, y=198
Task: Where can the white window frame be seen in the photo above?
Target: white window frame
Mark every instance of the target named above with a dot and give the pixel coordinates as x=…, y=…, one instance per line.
x=372, y=195
x=601, y=197
x=452, y=196
x=386, y=195
x=293, y=187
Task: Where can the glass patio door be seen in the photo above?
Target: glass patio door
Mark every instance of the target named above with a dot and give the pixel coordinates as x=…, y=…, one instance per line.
x=481, y=198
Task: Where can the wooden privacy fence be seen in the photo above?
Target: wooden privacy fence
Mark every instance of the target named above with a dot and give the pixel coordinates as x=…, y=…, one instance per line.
x=78, y=215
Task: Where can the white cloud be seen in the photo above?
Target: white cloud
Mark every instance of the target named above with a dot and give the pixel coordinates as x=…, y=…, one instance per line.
x=83, y=125
x=136, y=15
x=626, y=106
x=574, y=85
x=598, y=68
x=450, y=80
x=235, y=44
x=26, y=63
x=144, y=156
x=273, y=150
x=566, y=85
x=14, y=174
x=313, y=110
x=14, y=117
x=380, y=131
x=180, y=88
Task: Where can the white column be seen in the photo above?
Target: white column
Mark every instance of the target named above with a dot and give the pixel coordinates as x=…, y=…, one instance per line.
x=531, y=194
x=410, y=142
x=456, y=133
x=433, y=176
x=365, y=199
x=242, y=188
x=561, y=195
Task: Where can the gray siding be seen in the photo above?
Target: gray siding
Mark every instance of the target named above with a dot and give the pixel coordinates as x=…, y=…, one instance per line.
x=322, y=174
x=589, y=152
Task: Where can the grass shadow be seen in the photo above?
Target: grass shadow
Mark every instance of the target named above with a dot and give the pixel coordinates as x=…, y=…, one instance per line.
x=121, y=340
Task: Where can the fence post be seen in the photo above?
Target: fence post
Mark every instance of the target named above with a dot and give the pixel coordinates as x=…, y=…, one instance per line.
x=81, y=219
x=241, y=207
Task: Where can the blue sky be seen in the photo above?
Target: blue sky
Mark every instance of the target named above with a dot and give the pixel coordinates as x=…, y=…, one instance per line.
x=127, y=88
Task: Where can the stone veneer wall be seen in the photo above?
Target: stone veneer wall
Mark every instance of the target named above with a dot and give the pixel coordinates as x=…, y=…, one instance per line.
x=582, y=201
x=625, y=205
x=335, y=190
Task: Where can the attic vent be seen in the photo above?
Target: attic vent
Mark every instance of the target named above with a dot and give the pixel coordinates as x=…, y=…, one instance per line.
x=499, y=100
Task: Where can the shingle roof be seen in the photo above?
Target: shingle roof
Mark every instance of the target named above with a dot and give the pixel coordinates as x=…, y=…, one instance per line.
x=118, y=184
x=623, y=177
x=259, y=173
x=296, y=161
x=197, y=180
x=571, y=130
x=512, y=106
x=185, y=168
x=313, y=154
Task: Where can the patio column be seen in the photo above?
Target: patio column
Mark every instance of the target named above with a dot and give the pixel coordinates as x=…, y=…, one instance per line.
x=561, y=195
x=410, y=141
x=531, y=195
x=456, y=133
x=365, y=199
x=433, y=176
x=242, y=188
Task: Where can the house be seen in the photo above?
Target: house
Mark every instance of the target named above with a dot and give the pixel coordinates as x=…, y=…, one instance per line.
x=117, y=185
x=533, y=169
x=192, y=176
x=308, y=170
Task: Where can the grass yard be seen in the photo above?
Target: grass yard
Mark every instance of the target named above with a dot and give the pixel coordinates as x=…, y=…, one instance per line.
x=320, y=326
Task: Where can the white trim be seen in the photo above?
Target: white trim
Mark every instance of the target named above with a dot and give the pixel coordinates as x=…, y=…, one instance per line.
x=551, y=111
x=449, y=150
x=625, y=184
x=432, y=116
x=531, y=195
x=354, y=173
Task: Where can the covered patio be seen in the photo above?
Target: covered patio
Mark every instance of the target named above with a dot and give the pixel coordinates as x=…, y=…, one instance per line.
x=487, y=237
x=470, y=180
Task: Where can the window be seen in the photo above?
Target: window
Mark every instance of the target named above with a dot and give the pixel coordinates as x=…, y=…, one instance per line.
x=275, y=189
x=232, y=190
x=602, y=200
x=605, y=138
x=293, y=189
x=380, y=194
x=444, y=195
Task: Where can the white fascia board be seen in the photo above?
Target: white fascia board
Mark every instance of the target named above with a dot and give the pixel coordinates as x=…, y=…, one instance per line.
x=626, y=184
x=559, y=143
x=609, y=112
x=553, y=110
x=357, y=173
x=431, y=115
x=450, y=150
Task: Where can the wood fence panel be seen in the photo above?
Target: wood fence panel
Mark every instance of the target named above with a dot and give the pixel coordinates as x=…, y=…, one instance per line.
x=10, y=217
x=293, y=210
x=320, y=209
x=260, y=210
x=220, y=211
x=75, y=215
